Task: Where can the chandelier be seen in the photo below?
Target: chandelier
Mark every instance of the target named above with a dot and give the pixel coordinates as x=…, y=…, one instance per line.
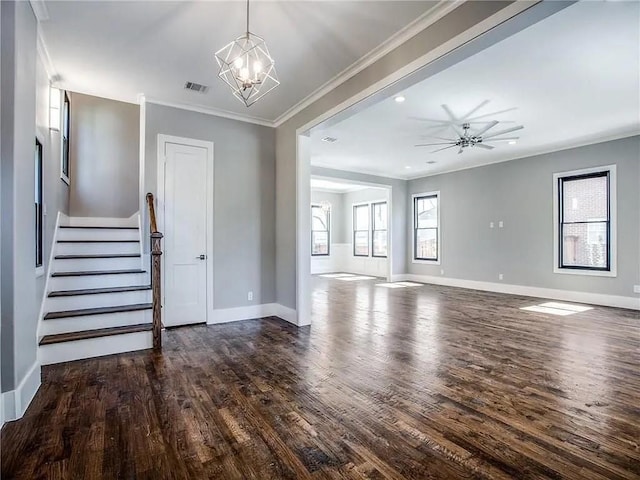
x=247, y=67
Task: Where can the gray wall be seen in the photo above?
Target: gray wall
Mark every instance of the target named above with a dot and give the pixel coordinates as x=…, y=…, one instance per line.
x=19, y=310
x=435, y=35
x=338, y=232
x=398, y=212
x=244, y=198
x=56, y=191
x=520, y=193
x=104, y=157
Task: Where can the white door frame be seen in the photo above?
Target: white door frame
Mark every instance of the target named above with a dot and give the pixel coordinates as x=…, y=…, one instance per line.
x=162, y=140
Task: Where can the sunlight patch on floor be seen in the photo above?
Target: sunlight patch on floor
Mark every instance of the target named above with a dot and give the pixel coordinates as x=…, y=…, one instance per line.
x=557, y=308
x=353, y=279
x=398, y=284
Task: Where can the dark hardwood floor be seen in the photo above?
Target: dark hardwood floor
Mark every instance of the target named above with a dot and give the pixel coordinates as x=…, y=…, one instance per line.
x=420, y=383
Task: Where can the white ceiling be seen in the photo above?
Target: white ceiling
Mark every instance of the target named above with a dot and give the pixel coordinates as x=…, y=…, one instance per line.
x=121, y=49
x=574, y=78
x=324, y=185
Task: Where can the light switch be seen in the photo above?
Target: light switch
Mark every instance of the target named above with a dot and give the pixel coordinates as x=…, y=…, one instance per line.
x=490, y=224
x=500, y=224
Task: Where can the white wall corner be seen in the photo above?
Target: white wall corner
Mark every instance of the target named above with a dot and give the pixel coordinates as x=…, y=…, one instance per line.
x=287, y=314
x=605, y=300
x=16, y=402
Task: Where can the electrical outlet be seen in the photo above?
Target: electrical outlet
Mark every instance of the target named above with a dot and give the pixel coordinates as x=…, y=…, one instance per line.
x=250, y=296
x=490, y=224
x=636, y=289
x=500, y=276
x=500, y=224
x=442, y=272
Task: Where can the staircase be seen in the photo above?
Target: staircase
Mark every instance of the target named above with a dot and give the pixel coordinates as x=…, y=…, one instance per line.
x=98, y=298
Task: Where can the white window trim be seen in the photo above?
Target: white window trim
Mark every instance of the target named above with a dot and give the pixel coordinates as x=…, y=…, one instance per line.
x=413, y=229
x=613, y=222
x=40, y=271
x=65, y=178
x=330, y=232
x=370, y=204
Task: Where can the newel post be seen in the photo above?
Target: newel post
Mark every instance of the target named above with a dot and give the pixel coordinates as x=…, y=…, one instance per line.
x=156, y=252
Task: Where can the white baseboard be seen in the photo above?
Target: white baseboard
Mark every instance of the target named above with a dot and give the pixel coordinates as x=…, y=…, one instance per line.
x=286, y=313
x=539, y=292
x=16, y=402
x=249, y=312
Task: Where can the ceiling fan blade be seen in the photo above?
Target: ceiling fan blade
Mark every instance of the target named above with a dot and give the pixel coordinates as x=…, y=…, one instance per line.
x=437, y=138
x=460, y=151
x=449, y=113
x=433, y=144
x=505, y=139
x=485, y=115
x=474, y=110
x=440, y=149
x=486, y=147
x=488, y=127
x=508, y=130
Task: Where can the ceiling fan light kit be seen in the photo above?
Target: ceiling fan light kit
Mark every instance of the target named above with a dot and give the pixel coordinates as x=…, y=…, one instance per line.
x=247, y=67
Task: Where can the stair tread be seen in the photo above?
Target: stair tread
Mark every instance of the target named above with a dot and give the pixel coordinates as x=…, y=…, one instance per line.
x=98, y=311
x=99, y=227
x=96, y=272
x=100, y=332
x=98, y=241
x=97, y=255
x=93, y=291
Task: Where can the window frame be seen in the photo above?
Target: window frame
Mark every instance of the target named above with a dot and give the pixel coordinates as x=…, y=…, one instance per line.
x=374, y=230
x=65, y=135
x=328, y=230
x=558, y=178
x=368, y=230
x=39, y=206
x=414, y=228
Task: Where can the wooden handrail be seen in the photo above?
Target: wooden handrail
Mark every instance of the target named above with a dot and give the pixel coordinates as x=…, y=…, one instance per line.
x=152, y=213
x=156, y=277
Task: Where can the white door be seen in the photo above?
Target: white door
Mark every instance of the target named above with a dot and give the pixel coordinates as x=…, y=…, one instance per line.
x=185, y=229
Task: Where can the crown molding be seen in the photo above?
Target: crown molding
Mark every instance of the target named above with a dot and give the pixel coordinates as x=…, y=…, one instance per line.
x=542, y=151
x=213, y=111
x=361, y=171
x=401, y=36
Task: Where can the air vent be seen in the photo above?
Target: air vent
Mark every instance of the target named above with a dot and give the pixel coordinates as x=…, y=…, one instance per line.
x=196, y=87
x=329, y=139
x=431, y=162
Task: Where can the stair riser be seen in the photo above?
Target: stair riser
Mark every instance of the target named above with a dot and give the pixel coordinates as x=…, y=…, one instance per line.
x=98, y=281
x=94, y=347
x=96, y=248
x=93, y=322
x=97, y=234
x=76, y=302
x=92, y=264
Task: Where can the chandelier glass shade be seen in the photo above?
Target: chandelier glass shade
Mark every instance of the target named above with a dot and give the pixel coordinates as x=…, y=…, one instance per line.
x=247, y=67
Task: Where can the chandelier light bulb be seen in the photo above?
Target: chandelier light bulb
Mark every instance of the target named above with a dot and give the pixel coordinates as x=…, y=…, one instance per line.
x=257, y=68
x=238, y=62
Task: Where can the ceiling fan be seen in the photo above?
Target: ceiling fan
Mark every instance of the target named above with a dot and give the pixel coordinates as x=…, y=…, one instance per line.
x=466, y=137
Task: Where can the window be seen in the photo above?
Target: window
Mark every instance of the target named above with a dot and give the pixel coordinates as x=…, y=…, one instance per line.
x=66, y=117
x=379, y=229
x=585, y=233
x=426, y=223
x=38, y=202
x=361, y=230
x=320, y=222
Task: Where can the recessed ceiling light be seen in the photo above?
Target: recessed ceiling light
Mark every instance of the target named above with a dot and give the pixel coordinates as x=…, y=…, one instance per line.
x=400, y=99
x=431, y=162
x=408, y=167
x=512, y=142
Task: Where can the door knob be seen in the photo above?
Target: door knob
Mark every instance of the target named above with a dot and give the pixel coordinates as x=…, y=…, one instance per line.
x=202, y=257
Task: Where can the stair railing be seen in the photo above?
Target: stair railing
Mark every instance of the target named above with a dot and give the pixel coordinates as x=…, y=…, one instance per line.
x=156, y=278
